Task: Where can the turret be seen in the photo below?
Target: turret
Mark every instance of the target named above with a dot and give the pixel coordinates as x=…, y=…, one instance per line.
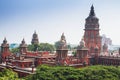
x=4, y=46
x=35, y=39
x=62, y=50
x=23, y=47
x=82, y=52
x=5, y=50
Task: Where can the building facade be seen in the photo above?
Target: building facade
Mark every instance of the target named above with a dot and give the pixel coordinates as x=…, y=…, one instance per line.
x=87, y=53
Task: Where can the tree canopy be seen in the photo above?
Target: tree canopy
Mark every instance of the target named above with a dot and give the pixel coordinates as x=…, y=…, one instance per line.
x=68, y=73
x=8, y=74
x=41, y=47
x=45, y=72
x=15, y=50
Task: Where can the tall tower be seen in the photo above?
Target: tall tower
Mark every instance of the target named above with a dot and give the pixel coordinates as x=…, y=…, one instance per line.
x=92, y=37
x=5, y=50
x=23, y=47
x=62, y=50
x=35, y=39
x=4, y=46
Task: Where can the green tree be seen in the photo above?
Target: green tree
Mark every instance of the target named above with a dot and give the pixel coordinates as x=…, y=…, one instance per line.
x=15, y=50
x=57, y=43
x=41, y=47
x=31, y=47
x=69, y=46
x=46, y=47
x=8, y=74
x=97, y=72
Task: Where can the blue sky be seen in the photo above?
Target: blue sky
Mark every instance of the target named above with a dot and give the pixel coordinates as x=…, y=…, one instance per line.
x=50, y=18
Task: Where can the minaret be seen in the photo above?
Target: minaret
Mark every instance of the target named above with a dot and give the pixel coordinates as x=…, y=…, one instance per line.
x=23, y=47
x=35, y=39
x=62, y=50
x=91, y=34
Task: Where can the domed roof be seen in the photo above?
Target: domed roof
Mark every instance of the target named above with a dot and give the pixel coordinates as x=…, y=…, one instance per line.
x=62, y=36
x=23, y=41
x=92, y=14
x=23, y=44
x=82, y=45
x=35, y=35
x=62, y=42
x=82, y=42
x=92, y=18
x=5, y=44
x=35, y=39
x=5, y=41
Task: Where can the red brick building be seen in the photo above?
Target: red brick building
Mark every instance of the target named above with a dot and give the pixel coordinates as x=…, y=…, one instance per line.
x=5, y=50
x=25, y=62
x=92, y=37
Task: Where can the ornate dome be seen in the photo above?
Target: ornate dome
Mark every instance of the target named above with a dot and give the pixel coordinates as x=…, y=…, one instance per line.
x=62, y=42
x=92, y=14
x=5, y=41
x=23, y=41
x=23, y=44
x=82, y=42
x=35, y=39
x=63, y=37
x=82, y=45
x=35, y=35
x=5, y=44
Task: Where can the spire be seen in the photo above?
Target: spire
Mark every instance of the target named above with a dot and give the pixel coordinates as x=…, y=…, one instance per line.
x=23, y=41
x=92, y=13
x=35, y=32
x=5, y=41
x=63, y=38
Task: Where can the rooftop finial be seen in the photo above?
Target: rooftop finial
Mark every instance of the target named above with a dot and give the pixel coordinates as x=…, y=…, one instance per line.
x=23, y=41
x=63, y=36
x=92, y=13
